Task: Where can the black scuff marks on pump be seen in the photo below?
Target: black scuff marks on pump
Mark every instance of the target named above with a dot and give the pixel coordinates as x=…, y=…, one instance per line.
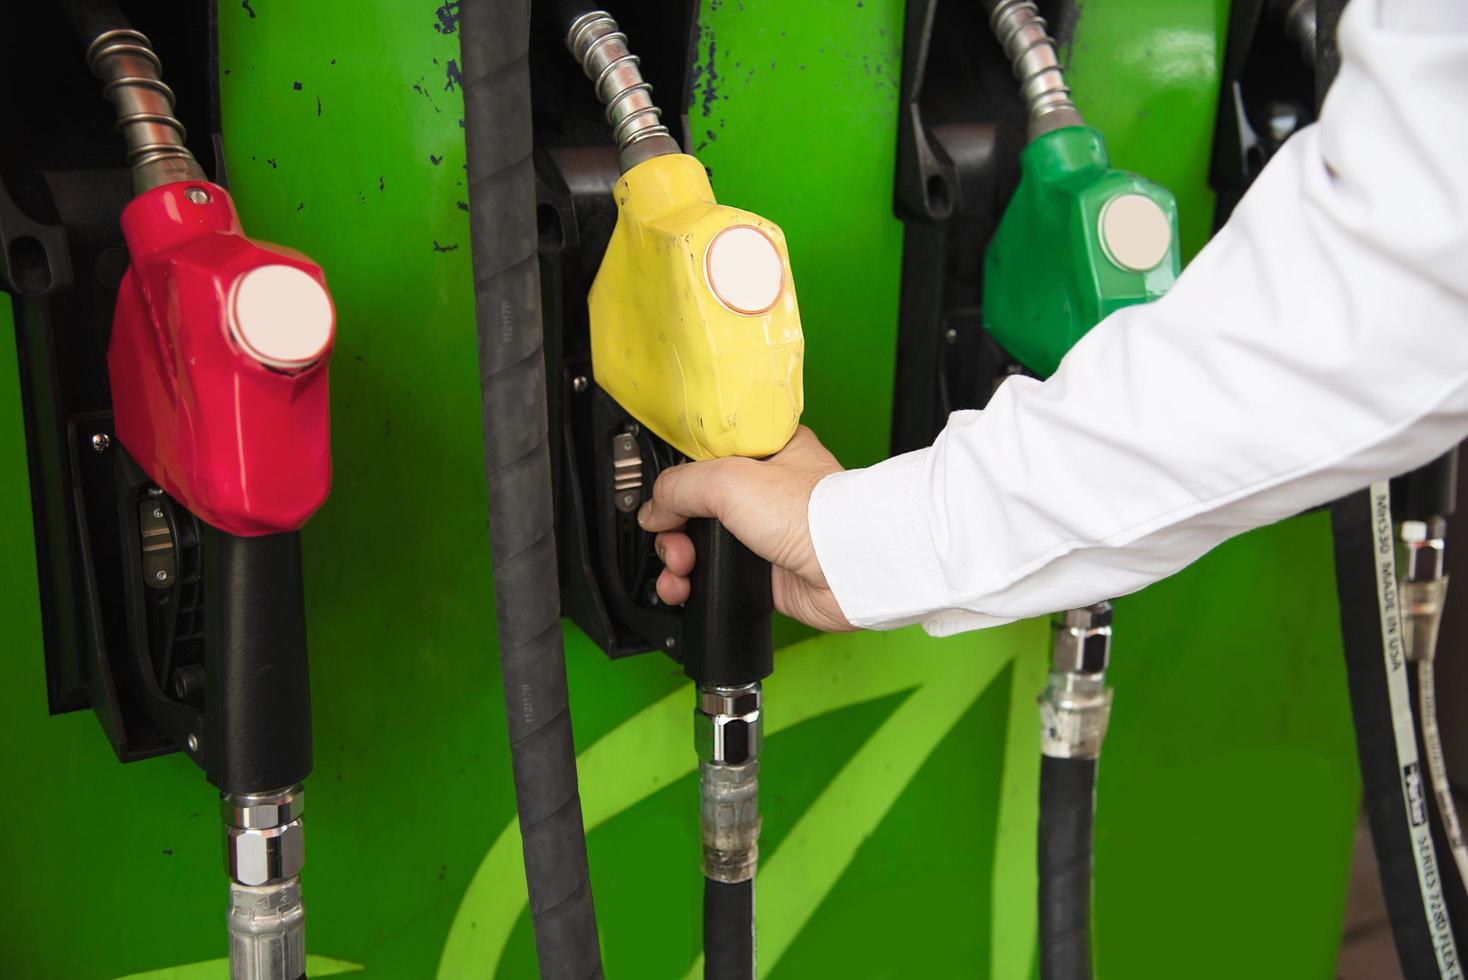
x=273, y=164
x=418, y=87
x=296, y=86
x=710, y=78
x=453, y=78
x=448, y=18
x=434, y=160
x=381, y=184
x=245, y=4
x=318, y=107
x=453, y=247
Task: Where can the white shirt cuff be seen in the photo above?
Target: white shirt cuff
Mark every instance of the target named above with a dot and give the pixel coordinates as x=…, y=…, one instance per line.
x=874, y=545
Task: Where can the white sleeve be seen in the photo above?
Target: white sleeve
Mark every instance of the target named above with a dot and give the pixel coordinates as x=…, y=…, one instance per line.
x=1318, y=343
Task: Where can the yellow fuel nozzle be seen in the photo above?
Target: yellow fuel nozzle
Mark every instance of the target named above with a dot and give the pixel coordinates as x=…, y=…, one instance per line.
x=694, y=326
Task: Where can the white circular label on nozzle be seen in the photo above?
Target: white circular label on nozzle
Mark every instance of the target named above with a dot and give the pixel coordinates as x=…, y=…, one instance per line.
x=744, y=269
x=1135, y=232
x=281, y=317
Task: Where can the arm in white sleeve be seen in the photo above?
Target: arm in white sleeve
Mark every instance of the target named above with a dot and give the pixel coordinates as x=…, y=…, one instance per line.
x=1318, y=343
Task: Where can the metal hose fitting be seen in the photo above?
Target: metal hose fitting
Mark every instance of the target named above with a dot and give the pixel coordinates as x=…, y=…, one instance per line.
x=1076, y=704
x=600, y=47
x=728, y=732
x=132, y=81
x=1423, y=587
x=1022, y=34
x=1423, y=595
x=265, y=851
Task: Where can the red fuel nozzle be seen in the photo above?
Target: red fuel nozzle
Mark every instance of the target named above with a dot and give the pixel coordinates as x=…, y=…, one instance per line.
x=218, y=363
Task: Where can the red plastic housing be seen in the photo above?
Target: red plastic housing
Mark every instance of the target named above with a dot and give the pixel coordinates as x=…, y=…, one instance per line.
x=244, y=446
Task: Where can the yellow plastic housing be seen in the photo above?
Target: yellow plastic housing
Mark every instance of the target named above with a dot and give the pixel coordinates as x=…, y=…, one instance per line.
x=707, y=379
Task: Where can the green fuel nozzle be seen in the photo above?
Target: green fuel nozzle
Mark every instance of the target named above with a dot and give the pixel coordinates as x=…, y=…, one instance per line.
x=1079, y=240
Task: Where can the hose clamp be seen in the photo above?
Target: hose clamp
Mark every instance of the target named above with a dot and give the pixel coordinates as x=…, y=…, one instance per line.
x=729, y=821
x=728, y=733
x=267, y=932
x=1076, y=705
x=1074, y=711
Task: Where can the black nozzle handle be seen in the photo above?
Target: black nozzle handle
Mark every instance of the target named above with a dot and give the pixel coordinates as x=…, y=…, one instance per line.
x=257, y=685
x=726, y=630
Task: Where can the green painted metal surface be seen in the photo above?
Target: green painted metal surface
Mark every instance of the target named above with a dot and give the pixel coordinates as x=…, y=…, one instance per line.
x=901, y=771
x=1038, y=310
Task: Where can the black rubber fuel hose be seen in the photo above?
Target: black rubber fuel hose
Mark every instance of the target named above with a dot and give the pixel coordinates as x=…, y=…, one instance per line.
x=1386, y=783
x=1427, y=494
x=728, y=930
x=93, y=18
x=1067, y=817
x=567, y=11
x=494, y=36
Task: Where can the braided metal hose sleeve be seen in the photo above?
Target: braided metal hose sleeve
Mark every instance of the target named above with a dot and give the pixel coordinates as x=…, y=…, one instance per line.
x=132, y=80
x=604, y=54
x=494, y=36
x=1026, y=41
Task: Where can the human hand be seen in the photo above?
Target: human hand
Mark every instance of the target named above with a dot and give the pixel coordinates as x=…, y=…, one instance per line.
x=763, y=503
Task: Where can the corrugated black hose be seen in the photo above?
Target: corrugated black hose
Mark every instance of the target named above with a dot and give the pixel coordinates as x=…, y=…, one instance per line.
x=494, y=36
x=1067, y=816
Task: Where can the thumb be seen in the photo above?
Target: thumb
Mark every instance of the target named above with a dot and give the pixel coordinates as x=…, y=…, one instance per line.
x=684, y=491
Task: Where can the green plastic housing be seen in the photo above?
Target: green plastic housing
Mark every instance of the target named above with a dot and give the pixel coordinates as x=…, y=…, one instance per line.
x=1048, y=275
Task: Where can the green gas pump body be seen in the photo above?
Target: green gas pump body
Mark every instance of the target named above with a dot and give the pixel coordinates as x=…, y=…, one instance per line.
x=1078, y=241
x=902, y=810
